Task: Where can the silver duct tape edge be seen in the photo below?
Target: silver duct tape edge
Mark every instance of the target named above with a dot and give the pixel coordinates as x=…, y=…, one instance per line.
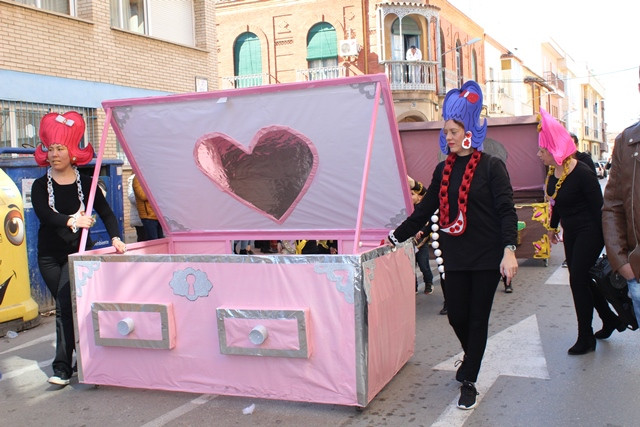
x=362, y=298
x=165, y=325
x=224, y=258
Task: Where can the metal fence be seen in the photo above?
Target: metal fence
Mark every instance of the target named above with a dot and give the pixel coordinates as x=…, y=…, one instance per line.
x=20, y=122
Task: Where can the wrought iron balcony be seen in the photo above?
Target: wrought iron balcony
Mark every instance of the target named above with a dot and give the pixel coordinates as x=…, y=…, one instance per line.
x=320, y=73
x=554, y=80
x=411, y=75
x=249, y=80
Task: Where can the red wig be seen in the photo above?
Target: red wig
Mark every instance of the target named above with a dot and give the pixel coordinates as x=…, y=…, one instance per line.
x=64, y=129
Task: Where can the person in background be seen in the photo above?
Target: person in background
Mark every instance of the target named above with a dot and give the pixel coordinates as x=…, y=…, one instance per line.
x=59, y=201
x=582, y=156
x=422, y=239
x=244, y=247
x=478, y=228
x=413, y=70
x=575, y=200
x=585, y=158
x=287, y=247
x=621, y=211
x=414, y=54
x=314, y=247
x=152, y=228
x=134, y=218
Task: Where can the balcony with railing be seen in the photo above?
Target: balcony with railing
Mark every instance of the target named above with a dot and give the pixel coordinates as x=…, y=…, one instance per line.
x=249, y=80
x=411, y=75
x=320, y=73
x=554, y=80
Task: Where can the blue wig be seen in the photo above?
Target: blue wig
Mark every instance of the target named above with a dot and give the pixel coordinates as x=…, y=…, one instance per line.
x=464, y=105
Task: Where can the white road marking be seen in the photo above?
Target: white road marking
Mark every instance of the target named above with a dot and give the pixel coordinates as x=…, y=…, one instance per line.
x=559, y=277
x=180, y=411
x=49, y=337
x=33, y=366
x=515, y=351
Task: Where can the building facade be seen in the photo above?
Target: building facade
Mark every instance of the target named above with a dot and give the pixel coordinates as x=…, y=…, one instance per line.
x=280, y=41
x=61, y=55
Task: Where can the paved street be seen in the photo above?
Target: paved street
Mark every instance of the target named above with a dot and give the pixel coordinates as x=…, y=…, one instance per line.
x=527, y=377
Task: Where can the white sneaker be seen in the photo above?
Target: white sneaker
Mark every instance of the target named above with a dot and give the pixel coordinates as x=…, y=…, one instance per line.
x=59, y=379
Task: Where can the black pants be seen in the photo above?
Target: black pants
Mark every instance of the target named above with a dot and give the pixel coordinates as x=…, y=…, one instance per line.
x=152, y=229
x=55, y=272
x=469, y=300
x=582, y=248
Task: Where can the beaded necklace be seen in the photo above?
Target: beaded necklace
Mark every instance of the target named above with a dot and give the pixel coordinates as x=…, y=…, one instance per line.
x=565, y=172
x=457, y=226
x=52, y=200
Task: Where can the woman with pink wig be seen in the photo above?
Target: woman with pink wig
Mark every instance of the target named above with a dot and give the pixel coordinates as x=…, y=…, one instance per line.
x=575, y=200
x=59, y=200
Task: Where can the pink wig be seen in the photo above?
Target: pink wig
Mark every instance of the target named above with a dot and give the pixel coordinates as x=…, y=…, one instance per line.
x=554, y=138
x=65, y=129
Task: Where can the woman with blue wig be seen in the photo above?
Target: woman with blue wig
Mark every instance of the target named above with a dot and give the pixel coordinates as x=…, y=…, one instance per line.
x=472, y=195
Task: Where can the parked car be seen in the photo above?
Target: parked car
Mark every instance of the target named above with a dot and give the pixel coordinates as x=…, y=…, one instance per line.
x=601, y=168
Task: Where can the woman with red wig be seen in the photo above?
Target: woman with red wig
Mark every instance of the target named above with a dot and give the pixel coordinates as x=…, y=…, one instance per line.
x=575, y=199
x=59, y=200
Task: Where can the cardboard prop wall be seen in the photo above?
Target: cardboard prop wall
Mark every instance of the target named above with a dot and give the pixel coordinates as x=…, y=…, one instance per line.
x=313, y=160
x=512, y=139
x=515, y=141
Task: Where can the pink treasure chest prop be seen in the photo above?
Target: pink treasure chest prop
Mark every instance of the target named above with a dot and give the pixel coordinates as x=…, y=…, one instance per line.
x=318, y=160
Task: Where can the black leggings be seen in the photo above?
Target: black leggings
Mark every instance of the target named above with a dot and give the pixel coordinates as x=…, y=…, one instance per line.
x=582, y=249
x=469, y=300
x=55, y=272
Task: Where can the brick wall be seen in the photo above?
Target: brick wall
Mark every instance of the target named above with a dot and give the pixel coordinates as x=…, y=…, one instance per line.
x=37, y=41
x=88, y=48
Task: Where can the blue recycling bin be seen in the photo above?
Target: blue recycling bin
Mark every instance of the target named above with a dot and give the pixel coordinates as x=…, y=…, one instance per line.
x=20, y=166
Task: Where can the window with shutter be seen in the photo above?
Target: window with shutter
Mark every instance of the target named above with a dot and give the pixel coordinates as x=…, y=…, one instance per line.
x=248, y=60
x=322, y=42
x=171, y=20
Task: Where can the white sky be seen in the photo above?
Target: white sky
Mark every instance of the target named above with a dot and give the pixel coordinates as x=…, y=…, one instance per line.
x=603, y=34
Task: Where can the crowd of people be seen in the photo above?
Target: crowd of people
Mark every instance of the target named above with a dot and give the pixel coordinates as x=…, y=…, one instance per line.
x=468, y=204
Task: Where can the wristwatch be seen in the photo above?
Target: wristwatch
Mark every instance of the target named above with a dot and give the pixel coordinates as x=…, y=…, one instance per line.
x=512, y=248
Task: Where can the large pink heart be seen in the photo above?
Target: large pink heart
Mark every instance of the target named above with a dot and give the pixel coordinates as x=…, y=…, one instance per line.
x=271, y=175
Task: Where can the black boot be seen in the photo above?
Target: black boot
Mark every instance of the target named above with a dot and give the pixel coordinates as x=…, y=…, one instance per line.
x=609, y=327
x=444, y=309
x=583, y=346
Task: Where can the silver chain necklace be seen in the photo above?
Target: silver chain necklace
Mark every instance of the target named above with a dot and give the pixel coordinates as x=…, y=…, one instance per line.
x=52, y=200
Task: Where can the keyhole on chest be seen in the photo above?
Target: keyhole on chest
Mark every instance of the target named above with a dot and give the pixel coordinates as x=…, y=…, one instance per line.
x=191, y=279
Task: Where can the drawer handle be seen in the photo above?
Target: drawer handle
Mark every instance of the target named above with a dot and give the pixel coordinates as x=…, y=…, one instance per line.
x=126, y=326
x=258, y=335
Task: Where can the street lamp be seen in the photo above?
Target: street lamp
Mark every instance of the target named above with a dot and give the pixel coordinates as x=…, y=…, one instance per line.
x=472, y=41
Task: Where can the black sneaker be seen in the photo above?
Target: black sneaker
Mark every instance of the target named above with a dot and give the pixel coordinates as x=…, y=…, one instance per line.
x=59, y=378
x=468, y=395
x=508, y=289
x=444, y=309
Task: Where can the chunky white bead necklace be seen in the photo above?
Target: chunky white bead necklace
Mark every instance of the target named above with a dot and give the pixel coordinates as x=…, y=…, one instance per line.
x=435, y=244
x=52, y=200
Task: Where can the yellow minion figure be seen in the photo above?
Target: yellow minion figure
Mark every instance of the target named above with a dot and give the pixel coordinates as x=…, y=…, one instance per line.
x=15, y=290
